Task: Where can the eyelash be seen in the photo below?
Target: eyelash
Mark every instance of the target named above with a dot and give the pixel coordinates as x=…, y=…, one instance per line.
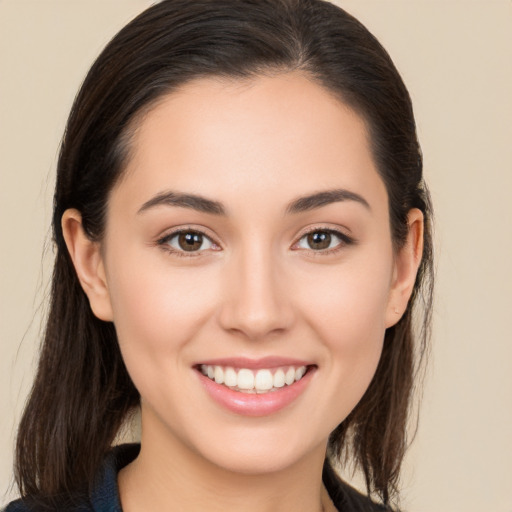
x=343, y=241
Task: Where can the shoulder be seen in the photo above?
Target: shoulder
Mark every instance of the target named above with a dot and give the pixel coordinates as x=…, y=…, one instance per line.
x=103, y=497
x=345, y=497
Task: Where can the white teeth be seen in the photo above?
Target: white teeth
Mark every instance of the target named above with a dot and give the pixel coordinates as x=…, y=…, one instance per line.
x=279, y=379
x=219, y=375
x=258, y=381
x=264, y=380
x=289, y=377
x=299, y=373
x=230, y=377
x=245, y=379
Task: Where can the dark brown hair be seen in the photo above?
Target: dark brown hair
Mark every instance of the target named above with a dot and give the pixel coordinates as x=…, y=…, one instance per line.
x=82, y=393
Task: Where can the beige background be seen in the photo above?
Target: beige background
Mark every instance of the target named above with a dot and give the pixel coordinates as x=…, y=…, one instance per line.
x=456, y=57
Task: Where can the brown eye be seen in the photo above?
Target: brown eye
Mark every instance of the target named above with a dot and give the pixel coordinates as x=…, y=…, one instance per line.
x=324, y=240
x=187, y=241
x=190, y=241
x=319, y=240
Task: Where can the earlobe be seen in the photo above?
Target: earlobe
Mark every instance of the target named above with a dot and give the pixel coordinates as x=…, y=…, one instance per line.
x=407, y=262
x=88, y=262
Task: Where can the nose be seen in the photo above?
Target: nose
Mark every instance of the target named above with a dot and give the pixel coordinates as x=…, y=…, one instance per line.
x=256, y=302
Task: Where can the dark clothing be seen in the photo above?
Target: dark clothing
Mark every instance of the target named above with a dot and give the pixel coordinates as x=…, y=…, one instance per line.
x=345, y=497
x=105, y=496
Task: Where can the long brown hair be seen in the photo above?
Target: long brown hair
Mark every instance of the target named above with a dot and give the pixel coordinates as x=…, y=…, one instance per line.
x=82, y=393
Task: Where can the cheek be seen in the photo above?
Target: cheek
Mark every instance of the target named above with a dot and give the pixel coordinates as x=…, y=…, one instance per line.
x=156, y=315
x=349, y=304
x=156, y=312
x=354, y=334
x=346, y=308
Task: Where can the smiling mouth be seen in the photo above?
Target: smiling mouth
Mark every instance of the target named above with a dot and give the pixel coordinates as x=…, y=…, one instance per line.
x=245, y=380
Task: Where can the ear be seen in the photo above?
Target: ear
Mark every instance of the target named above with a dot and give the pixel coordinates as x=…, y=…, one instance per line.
x=88, y=262
x=407, y=262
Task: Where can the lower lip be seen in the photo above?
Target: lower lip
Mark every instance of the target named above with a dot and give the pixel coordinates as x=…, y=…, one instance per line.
x=255, y=404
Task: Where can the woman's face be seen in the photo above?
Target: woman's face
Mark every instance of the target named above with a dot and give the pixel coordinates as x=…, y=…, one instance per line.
x=249, y=238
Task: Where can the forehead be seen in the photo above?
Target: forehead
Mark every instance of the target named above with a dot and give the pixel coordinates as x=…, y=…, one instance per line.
x=253, y=136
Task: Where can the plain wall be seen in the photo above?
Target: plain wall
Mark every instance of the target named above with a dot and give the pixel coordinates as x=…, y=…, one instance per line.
x=456, y=58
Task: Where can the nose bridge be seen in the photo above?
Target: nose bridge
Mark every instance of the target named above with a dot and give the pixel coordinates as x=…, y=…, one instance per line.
x=256, y=303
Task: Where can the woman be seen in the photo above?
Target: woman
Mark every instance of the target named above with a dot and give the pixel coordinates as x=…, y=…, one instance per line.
x=242, y=234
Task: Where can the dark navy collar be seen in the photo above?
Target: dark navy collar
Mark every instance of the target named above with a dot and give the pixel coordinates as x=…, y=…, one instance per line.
x=105, y=494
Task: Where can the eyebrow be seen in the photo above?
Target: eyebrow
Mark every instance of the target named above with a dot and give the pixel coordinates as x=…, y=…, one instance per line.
x=191, y=201
x=320, y=199
x=301, y=204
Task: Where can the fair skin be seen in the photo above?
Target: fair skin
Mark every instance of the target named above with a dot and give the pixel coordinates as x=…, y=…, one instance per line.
x=253, y=285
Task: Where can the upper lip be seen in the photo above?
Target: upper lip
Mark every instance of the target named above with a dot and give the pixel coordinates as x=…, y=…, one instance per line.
x=255, y=364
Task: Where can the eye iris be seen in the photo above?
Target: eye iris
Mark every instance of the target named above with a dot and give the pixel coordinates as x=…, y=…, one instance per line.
x=319, y=240
x=190, y=241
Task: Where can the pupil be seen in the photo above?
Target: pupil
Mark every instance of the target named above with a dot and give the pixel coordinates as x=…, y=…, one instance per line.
x=319, y=240
x=190, y=241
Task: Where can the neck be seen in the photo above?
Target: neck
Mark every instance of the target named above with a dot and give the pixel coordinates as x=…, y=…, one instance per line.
x=167, y=475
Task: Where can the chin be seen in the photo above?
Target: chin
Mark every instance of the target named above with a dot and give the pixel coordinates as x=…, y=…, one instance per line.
x=255, y=462
x=259, y=451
